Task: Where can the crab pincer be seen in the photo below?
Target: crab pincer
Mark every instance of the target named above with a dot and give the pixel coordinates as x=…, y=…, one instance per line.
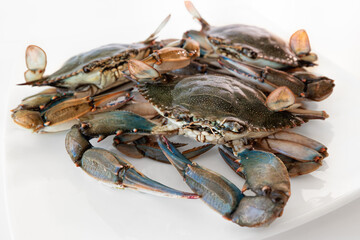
x=111, y=169
x=272, y=189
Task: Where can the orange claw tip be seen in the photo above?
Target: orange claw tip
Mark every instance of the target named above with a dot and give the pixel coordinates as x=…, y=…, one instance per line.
x=119, y=132
x=245, y=187
x=47, y=123
x=323, y=149
x=101, y=138
x=325, y=115
x=317, y=159
x=193, y=196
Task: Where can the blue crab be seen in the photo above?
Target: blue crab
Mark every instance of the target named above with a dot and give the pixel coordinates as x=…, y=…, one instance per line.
x=94, y=71
x=215, y=109
x=83, y=82
x=253, y=54
x=248, y=115
x=251, y=44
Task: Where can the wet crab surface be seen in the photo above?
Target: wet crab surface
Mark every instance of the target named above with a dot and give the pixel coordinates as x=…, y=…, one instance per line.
x=240, y=184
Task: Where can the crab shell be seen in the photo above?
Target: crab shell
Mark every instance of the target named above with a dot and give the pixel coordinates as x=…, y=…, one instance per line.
x=100, y=67
x=259, y=46
x=217, y=107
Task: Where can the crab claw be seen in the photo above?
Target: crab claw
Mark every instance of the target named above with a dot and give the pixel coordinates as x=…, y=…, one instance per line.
x=172, y=58
x=206, y=47
x=36, y=63
x=228, y=200
x=112, y=170
x=140, y=70
x=265, y=174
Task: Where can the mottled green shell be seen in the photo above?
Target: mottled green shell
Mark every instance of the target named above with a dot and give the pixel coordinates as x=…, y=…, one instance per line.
x=266, y=44
x=79, y=61
x=215, y=98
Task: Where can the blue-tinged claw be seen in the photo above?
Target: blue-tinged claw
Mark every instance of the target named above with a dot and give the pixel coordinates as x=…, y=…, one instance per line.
x=76, y=144
x=265, y=174
x=215, y=190
x=256, y=211
x=224, y=197
x=173, y=155
x=111, y=169
x=119, y=173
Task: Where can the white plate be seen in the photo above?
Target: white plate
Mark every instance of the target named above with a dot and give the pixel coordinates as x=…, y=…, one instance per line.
x=48, y=198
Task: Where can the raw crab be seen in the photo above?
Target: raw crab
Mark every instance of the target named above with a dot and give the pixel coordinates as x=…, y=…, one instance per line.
x=216, y=109
x=248, y=115
x=251, y=44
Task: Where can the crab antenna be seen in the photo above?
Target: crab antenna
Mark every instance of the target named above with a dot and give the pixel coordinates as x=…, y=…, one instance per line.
x=192, y=10
x=153, y=36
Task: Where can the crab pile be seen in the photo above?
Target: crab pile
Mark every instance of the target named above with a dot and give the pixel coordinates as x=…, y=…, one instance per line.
x=236, y=86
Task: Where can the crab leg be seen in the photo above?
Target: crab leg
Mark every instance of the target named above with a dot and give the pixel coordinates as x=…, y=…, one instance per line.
x=267, y=79
x=55, y=112
x=296, y=168
x=271, y=187
x=110, y=168
x=36, y=63
x=300, y=45
x=192, y=10
x=300, y=154
x=146, y=146
x=174, y=56
x=318, y=88
x=153, y=36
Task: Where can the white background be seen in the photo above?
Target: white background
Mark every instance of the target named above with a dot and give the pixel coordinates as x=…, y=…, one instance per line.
x=65, y=28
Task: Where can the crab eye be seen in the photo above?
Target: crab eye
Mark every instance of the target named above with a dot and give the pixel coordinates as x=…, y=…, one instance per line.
x=86, y=69
x=249, y=53
x=215, y=41
x=234, y=127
